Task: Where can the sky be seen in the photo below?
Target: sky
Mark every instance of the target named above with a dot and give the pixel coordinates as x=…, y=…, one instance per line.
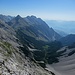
x=45, y=9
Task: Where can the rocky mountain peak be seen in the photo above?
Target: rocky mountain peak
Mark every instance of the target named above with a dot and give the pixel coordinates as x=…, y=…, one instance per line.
x=18, y=16
x=5, y=18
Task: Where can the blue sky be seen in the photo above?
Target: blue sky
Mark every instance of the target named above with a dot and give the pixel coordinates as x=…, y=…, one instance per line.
x=45, y=9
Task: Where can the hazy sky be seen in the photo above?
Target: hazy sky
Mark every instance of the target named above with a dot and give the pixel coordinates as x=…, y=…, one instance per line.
x=45, y=9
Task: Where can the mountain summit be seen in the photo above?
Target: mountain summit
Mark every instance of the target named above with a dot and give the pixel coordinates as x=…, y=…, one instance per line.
x=33, y=30
x=34, y=27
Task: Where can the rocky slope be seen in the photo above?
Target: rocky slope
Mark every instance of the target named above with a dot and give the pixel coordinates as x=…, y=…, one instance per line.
x=12, y=59
x=14, y=62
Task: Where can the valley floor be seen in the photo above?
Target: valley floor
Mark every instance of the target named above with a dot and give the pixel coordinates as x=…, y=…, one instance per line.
x=50, y=68
x=66, y=66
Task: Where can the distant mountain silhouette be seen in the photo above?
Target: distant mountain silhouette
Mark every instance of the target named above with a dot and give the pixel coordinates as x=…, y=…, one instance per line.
x=66, y=26
x=68, y=40
x=62, y=33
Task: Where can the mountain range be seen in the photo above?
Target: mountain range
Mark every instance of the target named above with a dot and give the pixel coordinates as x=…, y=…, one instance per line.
x=34, y=30
x=62, y=25
x=16, y=58
x=28, y=46
x=5, y=18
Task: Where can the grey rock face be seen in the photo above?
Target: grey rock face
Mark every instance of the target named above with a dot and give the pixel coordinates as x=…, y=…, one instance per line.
x=12, y=59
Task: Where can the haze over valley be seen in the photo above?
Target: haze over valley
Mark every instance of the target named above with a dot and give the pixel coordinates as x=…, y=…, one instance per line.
x=66, y=26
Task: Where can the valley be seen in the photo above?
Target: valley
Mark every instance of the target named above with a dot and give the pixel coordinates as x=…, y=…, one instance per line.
x=28, y=46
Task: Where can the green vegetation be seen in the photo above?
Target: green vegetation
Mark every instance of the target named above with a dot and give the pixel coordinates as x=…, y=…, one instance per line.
x=46, y=47
x=46, y=52
x=29, y=40
x=52, y=52
x=49, y=53
x=7, y=46
x=25, y=50
x=39, y=55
